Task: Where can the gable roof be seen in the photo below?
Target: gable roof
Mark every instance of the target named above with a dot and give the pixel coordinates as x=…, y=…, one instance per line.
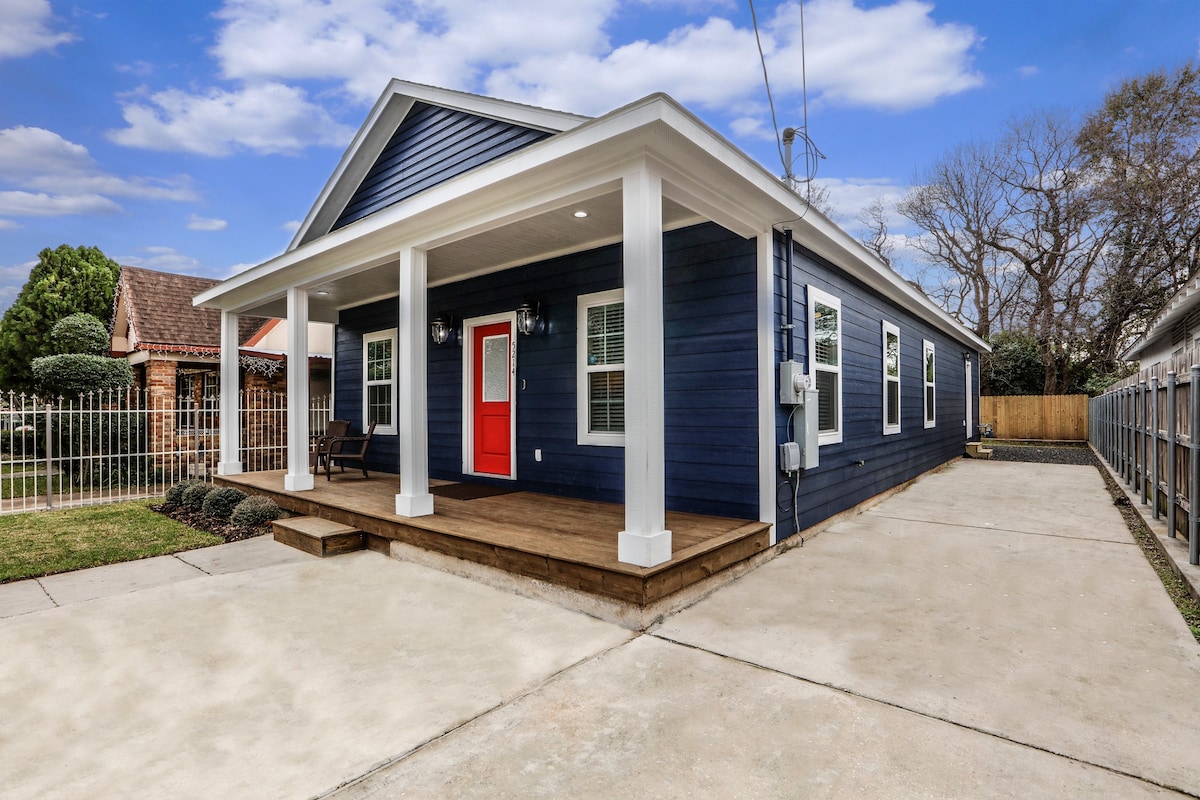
x=473, y=130
x=521, y=207
x=158, y=312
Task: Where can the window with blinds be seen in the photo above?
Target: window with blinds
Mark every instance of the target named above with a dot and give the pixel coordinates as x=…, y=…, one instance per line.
x=825, y=360
x=891, y=378
x=602, y=368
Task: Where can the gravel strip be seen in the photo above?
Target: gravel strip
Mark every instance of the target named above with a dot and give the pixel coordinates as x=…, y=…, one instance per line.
x=1056, y=454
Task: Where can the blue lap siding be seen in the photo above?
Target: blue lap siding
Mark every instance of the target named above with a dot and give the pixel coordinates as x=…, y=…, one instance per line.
x=710, y=373
x=839, y=483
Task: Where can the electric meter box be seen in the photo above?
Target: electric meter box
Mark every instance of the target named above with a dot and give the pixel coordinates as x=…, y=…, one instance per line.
x=792, y=383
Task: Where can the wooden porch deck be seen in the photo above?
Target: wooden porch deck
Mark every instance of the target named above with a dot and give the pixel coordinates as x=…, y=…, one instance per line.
x=568, y=542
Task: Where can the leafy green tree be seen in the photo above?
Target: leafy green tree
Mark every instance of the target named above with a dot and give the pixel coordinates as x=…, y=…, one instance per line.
x=80, y=333
x=78, y=366
x=1013, y=367
x=65, y=280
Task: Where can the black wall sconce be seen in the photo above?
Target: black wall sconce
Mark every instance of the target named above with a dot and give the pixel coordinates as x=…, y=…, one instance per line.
x=442, y=328
x=528, y=318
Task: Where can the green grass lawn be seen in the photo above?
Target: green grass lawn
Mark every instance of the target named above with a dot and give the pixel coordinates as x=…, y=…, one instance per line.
x=45, y=542
x=29, y=486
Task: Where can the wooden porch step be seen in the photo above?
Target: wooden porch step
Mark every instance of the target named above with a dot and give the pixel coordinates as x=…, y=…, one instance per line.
x=321, y=537
x=977, y=450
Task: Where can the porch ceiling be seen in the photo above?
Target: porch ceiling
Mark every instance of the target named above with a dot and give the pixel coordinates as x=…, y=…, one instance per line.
x=545, y=235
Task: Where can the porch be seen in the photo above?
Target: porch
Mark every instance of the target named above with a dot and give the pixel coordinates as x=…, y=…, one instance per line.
x=559, y=540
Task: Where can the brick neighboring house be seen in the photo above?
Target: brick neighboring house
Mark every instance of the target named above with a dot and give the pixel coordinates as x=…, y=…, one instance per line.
x=174, y=349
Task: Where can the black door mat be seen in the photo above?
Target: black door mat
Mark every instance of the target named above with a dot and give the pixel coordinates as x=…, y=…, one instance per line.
x=468, y=491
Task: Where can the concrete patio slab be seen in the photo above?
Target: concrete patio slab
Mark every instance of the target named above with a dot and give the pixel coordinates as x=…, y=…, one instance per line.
x=23, y=597
x=654, y=719
x=278, y=682
x=1014, y=496
x=130, y=576
x=261, y=551
x=1064, y=643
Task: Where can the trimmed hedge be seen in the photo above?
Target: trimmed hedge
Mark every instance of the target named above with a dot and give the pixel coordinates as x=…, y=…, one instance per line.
x=255, y=510
x=80, y=333
x=175, y=493
x=221, y=501
x=77, y=373
x=193, y=496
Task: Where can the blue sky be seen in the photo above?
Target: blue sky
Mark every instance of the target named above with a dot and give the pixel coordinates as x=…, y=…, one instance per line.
x=193, y=135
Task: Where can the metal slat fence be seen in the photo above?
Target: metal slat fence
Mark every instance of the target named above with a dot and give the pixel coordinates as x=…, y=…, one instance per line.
x=121, y=445
x=1148, y=428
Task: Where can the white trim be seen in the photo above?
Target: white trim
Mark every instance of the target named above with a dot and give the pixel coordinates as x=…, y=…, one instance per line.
x=583, y=434
x=928, y=349
x=468, y=375
x=378, y=336
x=767, y=398
x=889, y=328
x=815, y=295
x=230, y=415
x=970, y=420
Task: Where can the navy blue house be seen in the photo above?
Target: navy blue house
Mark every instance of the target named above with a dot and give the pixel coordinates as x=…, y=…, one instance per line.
x=625, y=308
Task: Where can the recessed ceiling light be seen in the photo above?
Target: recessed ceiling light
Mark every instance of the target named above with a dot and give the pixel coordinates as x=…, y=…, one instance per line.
x=581, y=214
x=322, y=291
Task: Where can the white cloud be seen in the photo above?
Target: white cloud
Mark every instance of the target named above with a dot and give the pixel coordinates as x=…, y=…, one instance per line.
x=892, y=57
x=40, y=204
x=271, y=118
x=165, y=259
x=9, y=225
x=1028, y=71
x=63, y=179
x=198, y=223
x=12, y=280
x=849, y=196
x=26, y=29
x=291, y=226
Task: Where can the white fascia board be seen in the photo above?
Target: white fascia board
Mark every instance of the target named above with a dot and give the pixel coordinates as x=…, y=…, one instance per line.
x=386, y=115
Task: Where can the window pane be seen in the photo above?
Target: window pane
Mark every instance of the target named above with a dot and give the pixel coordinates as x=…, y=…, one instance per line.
x=495, y=369
x=379, y=404
x=827, y=388
x=893, y=355
x=929, y=366
x=379, y=360
x=606, y=334
x=825, y=334
x=893, y=402
x=929, y=404
x=606, y=402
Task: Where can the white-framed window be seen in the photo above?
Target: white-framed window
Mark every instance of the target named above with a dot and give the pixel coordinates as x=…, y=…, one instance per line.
x=379, y=381
x=891, y=378
x=929, y=372
x=600, y=377
x=825, y=361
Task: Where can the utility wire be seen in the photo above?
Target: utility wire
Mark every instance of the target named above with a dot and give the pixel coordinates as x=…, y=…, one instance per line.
x=787, y=168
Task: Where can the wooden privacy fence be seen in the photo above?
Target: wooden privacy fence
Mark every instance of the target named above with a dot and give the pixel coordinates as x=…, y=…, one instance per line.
x=1148, y=428
x=1061, y=418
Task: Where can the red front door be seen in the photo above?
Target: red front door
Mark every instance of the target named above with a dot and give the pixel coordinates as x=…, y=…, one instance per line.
x=491, y=392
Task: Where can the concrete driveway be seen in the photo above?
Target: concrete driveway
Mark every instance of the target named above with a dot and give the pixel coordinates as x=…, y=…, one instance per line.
x=990, y=632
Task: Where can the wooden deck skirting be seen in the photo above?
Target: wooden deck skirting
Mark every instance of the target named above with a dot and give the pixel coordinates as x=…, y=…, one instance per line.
x=564, y=541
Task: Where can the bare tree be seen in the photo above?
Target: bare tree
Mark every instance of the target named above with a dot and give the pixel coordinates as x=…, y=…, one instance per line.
x=957, y=203
x=875, y=236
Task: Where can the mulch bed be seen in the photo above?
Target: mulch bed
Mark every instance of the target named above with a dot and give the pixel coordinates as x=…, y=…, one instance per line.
x=218, y=527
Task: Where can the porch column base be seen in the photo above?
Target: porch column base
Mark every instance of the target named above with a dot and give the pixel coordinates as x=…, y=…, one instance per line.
x=297, y=483
x=644, y=549
x=419, y=505
x=229, y=468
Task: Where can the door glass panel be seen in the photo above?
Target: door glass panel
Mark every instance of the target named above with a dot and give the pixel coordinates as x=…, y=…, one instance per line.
x=495, y=369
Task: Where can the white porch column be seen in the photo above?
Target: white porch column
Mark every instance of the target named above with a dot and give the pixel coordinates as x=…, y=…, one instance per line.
x=645, y=540
x=230, y=414
x=767, y=398
x=414, y=499
x=299, y=475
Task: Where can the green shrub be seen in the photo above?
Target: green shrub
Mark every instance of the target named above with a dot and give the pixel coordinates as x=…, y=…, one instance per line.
x=255, y=510
x=80, y=333
x=21, y=444
x=77, y=373
x=193, y=496
x=175, y=493
x=221, y=501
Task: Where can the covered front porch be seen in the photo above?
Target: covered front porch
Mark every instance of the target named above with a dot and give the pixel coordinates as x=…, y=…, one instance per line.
x=563, y=541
